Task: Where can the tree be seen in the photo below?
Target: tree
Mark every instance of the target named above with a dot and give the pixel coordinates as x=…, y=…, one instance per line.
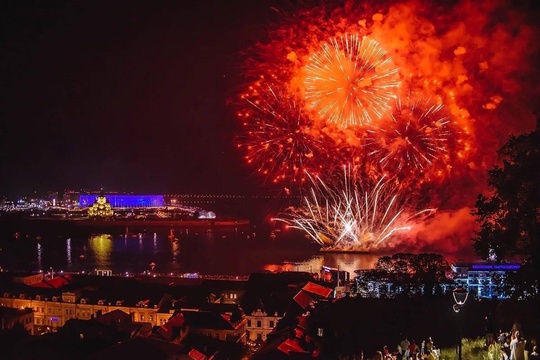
x=509, y=216
x=407, y=274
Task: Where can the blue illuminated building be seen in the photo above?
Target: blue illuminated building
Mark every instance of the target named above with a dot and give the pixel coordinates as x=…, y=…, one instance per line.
x=125, y=201
x=483, y=279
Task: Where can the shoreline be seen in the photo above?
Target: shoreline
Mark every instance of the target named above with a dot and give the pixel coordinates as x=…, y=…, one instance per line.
x=16, y=225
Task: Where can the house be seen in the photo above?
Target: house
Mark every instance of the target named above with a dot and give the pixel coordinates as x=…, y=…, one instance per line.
x=13, y=318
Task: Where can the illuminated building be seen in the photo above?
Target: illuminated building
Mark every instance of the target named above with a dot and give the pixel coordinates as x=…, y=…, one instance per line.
x=484, y=280
x=55, y=311
x=260, y=323
x=124, y=201
x=100, y=208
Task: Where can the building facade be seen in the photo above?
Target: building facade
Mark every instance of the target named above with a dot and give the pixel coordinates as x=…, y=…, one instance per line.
x=12, y=318
x=54, y=312
x=124, y=201
x=483, y=280
x=260, y=324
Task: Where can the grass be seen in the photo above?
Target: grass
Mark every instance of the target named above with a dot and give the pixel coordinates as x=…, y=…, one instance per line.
x=472, y=349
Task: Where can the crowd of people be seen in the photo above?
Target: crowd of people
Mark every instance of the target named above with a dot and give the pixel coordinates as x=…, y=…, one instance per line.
x=410, y=350
x=512, y=346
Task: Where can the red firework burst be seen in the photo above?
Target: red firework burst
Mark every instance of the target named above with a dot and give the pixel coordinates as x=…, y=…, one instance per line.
x=416, y=141
x=280, y=141
x=351, y=80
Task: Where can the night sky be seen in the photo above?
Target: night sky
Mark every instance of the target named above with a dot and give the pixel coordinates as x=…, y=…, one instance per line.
x=128, y=95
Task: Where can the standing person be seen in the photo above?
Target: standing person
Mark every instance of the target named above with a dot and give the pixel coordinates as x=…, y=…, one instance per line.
x=413, y=349
x=514, y=345
x=405, y=348
x=534, y=353
x=429, y=344
x=385, y=351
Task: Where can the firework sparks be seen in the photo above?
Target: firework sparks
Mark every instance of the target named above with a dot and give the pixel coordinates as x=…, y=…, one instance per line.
x=342, y=66
x=416, y=141
x=280, y=140
x=350, y=81
x=347, y=217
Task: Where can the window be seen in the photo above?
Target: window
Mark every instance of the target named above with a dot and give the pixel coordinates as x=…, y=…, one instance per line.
x=142, y=317
x=249, y=323
x=271, y=323
x=259, y=323
x=259, y=336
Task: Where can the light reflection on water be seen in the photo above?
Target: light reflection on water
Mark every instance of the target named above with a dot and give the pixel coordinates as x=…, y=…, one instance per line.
x=101, y=247
x=207, y=251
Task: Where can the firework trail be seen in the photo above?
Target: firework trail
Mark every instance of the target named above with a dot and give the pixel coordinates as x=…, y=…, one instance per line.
x=350, y=81
x=348, y=217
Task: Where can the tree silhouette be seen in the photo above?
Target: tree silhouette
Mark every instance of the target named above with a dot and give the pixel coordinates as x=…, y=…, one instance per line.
x=509, y=216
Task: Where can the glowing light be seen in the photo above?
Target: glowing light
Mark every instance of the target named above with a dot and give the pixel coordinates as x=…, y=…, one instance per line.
x=279, y=139
x=414, y=140
x=101, y=245
x=350, y=81
x=347, y=216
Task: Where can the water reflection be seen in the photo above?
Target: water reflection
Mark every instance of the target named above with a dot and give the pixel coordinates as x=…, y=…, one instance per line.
x=341, y=261
x=68, y=251
x=175, y=248
x=219, y=251
x=101, y=246
x=39, y=256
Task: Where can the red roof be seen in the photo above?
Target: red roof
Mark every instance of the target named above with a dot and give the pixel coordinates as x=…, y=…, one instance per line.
x=54, y=283
x=196, y=355
x=318, y=289
x=290, y=345
x=166, y=330
x=303, y=298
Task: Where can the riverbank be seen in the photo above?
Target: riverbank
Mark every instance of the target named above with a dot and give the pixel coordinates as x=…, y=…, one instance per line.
x=43, y=226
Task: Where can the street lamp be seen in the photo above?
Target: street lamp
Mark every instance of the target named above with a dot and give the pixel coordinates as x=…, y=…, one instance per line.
x=460, y=297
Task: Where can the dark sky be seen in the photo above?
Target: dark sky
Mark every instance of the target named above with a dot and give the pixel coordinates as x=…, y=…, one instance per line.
x=130, y=95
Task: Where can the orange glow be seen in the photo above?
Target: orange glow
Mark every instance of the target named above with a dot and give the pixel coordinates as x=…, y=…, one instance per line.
x=350, y=81
x=322, y=87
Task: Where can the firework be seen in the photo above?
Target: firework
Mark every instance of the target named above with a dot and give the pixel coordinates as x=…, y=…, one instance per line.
x=349, y=217
x=341, y=67
x=350, y=81
x=415, y=141
x=279, y=139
